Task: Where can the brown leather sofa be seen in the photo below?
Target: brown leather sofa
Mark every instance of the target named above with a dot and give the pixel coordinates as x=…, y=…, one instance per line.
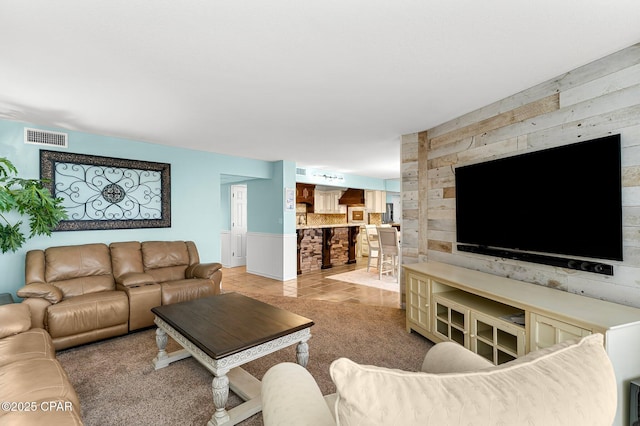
x=34, y=389
x=89, y=292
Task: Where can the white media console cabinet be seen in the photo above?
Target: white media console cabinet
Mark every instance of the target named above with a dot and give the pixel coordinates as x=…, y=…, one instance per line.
x=502, y=319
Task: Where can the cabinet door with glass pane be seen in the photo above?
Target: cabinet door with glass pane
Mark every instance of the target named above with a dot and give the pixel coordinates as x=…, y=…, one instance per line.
x=419, y=303
x=451, y=320
x=495, y=339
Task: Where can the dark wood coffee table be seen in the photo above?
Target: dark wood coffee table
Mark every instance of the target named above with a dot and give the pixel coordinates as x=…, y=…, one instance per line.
x=223, y=332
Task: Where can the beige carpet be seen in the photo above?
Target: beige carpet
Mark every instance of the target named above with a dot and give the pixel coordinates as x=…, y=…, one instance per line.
x=117, y=384
x=370, y=279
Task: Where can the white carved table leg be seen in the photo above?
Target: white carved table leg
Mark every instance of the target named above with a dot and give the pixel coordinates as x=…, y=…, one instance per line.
x=220, y=387
x=163, y=358
x=302, y=353
x=161, y=341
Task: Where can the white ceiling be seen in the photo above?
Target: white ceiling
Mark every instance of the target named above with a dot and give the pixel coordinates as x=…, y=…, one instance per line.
x=327, y=83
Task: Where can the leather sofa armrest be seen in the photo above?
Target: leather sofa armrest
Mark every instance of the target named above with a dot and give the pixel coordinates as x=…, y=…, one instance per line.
x=39, y=296
x=38, y=307
x=135, y=279
x=290, y=396
x=450, y=357
x=45, y=291
x=202, y=270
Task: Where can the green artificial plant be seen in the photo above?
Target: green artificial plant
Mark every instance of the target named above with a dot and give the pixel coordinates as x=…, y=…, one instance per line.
x=28, y=197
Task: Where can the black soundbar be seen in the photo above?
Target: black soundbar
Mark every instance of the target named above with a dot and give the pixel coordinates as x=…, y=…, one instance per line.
x=580, y=265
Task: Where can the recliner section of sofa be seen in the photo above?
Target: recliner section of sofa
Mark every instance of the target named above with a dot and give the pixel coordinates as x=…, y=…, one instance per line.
x=34, y=389
x=90, y=292
x=155, y=273
x=83, y=304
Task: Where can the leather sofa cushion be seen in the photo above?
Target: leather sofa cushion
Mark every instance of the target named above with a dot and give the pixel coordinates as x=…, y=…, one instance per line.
x=126, y=259
x=163, y=254
x=66, y=262
x=35, y=380
x=79, y=269
x=87, y=312
x=14, y=318
x=188, y=289
x=572, y=384
x=35, y=343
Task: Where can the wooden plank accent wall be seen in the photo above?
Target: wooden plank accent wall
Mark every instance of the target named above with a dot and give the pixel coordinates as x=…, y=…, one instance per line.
x=598, y=99
x=410, y=204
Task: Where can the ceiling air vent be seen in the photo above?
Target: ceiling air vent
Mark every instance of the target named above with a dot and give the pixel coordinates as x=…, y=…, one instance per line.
x=47, y=138
x=301, y=172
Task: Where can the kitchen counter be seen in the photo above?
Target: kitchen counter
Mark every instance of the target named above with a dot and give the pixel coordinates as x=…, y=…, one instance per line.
x=339, y=225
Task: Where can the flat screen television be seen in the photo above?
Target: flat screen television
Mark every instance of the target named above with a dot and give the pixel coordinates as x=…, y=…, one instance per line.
x=564, y=200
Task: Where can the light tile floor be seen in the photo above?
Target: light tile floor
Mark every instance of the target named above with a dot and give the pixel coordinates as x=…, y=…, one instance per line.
x=312, y=285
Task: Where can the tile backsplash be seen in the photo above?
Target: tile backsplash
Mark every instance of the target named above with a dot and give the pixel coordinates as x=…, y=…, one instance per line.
x=326, y=219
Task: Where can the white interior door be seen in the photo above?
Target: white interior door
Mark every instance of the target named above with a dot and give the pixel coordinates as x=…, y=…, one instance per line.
x=238, y=225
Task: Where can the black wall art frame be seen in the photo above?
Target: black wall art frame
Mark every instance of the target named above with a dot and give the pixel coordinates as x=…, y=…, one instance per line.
x=108, y=193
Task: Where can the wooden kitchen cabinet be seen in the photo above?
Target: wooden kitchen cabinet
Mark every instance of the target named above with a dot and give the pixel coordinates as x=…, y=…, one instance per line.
x=470, y=307
x=375, y=201
x=328, y=202
x=305, y=194
x=336, y=207
x=319, y=202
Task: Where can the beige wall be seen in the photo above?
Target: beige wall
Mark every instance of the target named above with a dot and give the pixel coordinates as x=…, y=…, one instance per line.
x=595, y=100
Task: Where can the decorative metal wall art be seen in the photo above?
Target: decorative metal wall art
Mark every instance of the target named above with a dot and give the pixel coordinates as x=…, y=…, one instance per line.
x=108, y=193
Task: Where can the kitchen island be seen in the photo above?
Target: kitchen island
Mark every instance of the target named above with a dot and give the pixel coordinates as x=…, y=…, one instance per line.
x=323, y=246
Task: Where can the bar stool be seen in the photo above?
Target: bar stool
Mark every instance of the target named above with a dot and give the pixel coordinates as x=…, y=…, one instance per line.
x=374, y=249
x=389, y=256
